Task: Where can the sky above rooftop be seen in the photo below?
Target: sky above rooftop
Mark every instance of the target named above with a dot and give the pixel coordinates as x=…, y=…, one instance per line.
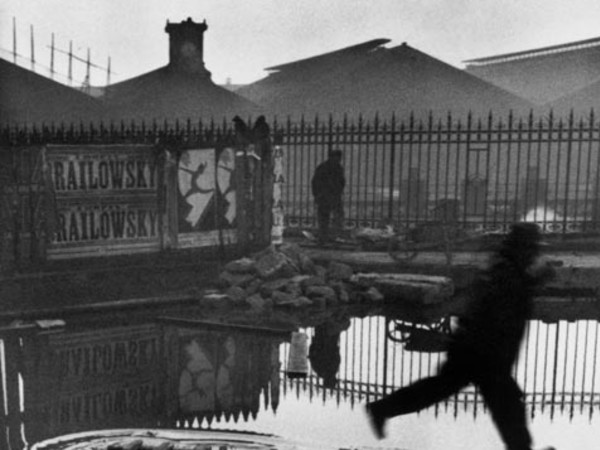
x=246, y=36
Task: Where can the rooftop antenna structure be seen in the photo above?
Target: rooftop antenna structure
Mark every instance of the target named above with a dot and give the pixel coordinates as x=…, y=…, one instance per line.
x=70, y=63
x=85, y=87
x=108, y=72
x=15, y=40
x=52, y=57
x=32, y=48
x=88, y=62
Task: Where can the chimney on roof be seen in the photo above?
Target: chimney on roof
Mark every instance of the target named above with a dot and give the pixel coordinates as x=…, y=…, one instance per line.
x=186, y=46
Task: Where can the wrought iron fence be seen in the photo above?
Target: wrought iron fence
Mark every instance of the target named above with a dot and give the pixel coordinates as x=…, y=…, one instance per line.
x=481, y=173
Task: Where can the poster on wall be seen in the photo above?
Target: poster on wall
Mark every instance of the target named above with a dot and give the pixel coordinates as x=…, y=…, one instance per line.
x=106, y=200
x=206, y=197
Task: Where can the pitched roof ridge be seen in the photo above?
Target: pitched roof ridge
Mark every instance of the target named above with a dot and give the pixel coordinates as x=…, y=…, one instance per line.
x=532, y=53
x=363, y=47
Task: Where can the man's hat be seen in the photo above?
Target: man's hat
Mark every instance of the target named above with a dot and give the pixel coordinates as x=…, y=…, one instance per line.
x=524, y=234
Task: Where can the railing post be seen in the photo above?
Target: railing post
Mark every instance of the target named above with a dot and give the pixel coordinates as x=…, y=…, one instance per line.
x=392, y=166
x=568, y=173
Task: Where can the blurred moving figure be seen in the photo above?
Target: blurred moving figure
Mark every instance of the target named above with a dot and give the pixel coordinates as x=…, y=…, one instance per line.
x=486, y=343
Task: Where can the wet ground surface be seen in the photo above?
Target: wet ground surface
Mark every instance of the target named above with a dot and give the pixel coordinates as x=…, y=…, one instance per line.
x=190, y=368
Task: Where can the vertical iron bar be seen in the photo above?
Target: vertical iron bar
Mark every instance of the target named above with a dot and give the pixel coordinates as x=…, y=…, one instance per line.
x=438, y=163
x=428, y=164
x=392, y=168
x=575, y=353
x=588, y=182
x=350, y=131
x=535, y=367
x=448, y=150
x=594, y=367
x=375, y=184
x=498, y=162
x=385, y=357
x=302, y=167
x=457, y=175
x=548, y=159
x=466, y=168
x=508, y=171
x=584, y=362
x=568, y=172
x=401, y=171
x=366, y=163
x=544, y=383
x=488, y=131
x=578, y=171
x=409, y=171
x=564, y=371
x=516, y=206
x=418, y=205
x=528, y=163
x=557, y=172
x=555, y=370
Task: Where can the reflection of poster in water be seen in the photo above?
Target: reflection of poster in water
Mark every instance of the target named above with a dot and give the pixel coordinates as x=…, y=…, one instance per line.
x=206, y=199
x=93, y=379
x=222, y=374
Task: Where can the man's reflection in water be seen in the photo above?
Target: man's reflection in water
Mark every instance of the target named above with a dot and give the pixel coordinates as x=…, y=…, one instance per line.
x=324, y=350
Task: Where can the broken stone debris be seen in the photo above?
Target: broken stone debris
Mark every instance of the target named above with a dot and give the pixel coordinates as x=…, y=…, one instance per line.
x=285, y=277
x=424, y=289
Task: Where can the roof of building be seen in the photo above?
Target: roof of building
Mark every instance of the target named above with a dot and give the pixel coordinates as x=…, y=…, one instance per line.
x=182, y=89
x=581, y=101
x=369, y=78
x=29, y=98
x=545, y=74
x=169, y=94
x=534, y=53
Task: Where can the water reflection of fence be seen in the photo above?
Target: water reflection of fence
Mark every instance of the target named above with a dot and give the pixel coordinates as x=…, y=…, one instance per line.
x=558, y=369
x=68, y=380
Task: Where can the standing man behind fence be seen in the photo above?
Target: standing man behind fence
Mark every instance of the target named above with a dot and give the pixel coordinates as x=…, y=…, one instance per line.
x=328, y=184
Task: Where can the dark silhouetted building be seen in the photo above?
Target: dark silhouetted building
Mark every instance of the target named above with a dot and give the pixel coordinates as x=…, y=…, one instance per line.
x=369, y=78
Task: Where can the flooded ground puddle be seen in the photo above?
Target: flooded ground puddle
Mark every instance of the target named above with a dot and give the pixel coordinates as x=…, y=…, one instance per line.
x=165, y=374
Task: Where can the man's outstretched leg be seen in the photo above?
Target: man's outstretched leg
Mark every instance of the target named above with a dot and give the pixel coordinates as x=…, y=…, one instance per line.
x=503, y=397
x=416, y=397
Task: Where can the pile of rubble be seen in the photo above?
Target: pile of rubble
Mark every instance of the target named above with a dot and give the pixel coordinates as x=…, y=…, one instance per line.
x=286, y=276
